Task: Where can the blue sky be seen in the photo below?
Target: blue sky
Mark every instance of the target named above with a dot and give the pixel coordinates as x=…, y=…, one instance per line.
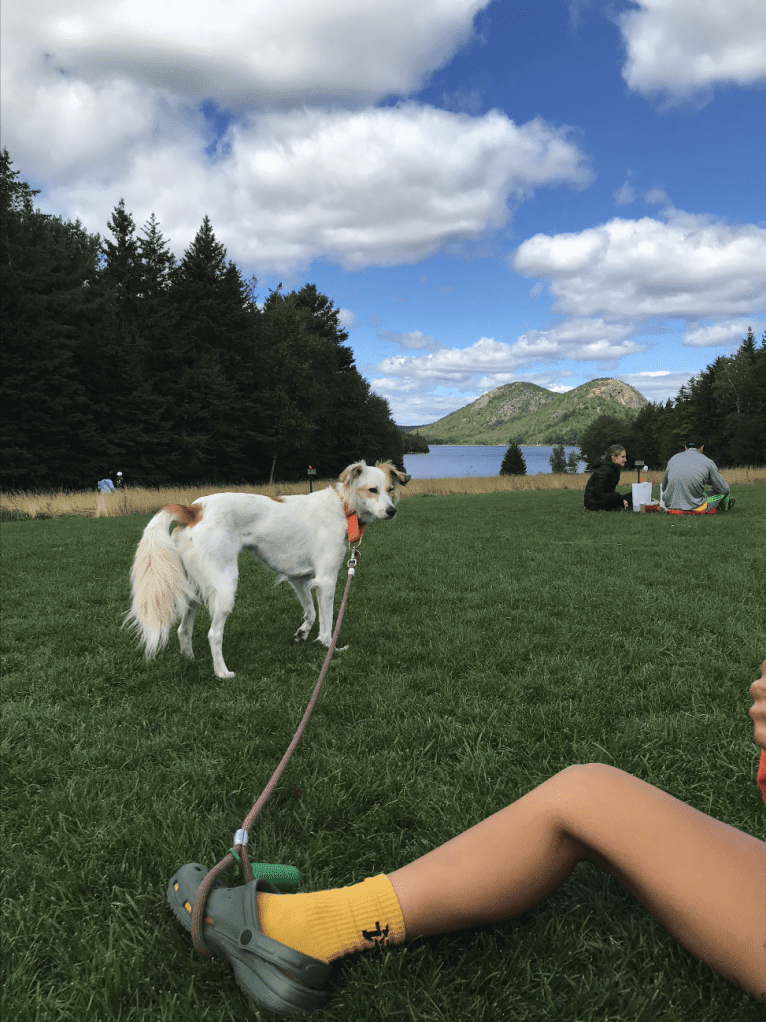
x=487, y=192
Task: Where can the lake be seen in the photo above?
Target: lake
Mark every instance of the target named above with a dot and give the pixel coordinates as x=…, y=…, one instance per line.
x=455, y=462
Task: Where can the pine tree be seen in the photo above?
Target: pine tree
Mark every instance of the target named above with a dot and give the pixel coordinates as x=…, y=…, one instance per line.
x=513, y=463
x=47, y=303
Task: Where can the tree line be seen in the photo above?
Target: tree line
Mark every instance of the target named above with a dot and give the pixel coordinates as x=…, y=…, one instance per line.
x=118, y=356
x=725, y=405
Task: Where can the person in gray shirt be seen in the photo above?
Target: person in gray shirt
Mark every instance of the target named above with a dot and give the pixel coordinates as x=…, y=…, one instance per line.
x=685, y=479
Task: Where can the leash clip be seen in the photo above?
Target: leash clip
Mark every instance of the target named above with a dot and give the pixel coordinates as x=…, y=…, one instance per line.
x=353, y=560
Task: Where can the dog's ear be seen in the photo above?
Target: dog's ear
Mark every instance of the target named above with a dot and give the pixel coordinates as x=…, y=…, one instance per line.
x=401, y=477
x=348, y=475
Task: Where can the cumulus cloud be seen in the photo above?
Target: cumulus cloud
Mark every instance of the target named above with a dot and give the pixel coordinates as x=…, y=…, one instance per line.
x=496, y=361
x=731, y=332
x=613, y=284
x=686, y=266
x=682, y=49
x=380, y=187
x=252, y=55
x=104, y=100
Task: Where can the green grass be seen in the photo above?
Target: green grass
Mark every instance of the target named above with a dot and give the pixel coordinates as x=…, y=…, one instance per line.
x=493, y=641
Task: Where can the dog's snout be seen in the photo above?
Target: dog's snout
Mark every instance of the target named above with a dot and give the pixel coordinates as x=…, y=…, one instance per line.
x=391, y=511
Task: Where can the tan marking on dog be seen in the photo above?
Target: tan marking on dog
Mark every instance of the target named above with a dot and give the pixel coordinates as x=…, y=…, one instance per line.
x=279, y=500
x=184, y=514
x=395, y=477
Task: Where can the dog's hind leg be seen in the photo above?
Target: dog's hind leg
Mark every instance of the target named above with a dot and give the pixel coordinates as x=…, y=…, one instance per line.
x=220, y=604
x=186, y=627
x=302, y=589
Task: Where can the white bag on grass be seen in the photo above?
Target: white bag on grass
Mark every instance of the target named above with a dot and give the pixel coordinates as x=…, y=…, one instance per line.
x=642, y=494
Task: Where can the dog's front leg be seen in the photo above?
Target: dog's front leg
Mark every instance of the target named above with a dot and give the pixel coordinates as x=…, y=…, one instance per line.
x=325, y=596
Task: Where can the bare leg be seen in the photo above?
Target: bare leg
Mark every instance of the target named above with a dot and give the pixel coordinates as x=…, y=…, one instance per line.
x=703, y=880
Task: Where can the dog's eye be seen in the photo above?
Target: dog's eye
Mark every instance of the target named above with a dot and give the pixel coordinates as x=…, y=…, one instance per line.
x=373, y=489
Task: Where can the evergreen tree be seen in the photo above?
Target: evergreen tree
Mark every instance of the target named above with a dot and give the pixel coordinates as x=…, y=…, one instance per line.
x=598, y=437
x=47, y=269
x=572, y=463
x=513, y=463
x=157, y=260
x=414, y=443
x=204, y=358
x=288, y=393
x=557, y=460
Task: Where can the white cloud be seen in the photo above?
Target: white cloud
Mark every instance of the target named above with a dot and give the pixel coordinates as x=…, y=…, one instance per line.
x=101, y=100
x=656, y=197
x=253, y=55
x=683, y=48
x=689, y=266
x=726, y=332
x=488, y=359
x=625, y=194
x=415, y=339
x=661, y=385
x=374, y=187
x=347, y=320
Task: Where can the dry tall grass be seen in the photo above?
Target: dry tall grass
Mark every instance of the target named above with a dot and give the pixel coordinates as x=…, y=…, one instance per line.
x=145, y=501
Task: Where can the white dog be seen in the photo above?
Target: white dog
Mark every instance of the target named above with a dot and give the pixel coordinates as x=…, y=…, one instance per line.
x=302, y=537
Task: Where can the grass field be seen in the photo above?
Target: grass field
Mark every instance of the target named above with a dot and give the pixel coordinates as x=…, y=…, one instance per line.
x=493, y=640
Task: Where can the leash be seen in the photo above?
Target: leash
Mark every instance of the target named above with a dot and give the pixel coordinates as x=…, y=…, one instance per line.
x=238, y=852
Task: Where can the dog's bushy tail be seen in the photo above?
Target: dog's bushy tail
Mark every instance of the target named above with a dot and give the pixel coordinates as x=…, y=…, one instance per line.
x=161, y=588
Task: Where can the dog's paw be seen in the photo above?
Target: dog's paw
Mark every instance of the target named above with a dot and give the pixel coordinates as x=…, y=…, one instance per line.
x=225, y=674
x=300, y=635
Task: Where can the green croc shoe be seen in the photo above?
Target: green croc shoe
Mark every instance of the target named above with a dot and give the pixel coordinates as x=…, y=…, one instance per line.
x=279, y=978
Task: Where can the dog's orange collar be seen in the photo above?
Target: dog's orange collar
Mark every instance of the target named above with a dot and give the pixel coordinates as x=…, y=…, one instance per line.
x=354, y=530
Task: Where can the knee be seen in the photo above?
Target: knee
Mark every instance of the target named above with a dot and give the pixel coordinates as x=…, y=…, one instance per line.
x=578, y=788
x=584, y=776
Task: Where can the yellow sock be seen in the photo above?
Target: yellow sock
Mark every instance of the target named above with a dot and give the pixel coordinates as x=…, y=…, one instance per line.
x=328, y=924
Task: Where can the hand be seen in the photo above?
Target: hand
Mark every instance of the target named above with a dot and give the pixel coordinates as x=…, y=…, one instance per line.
x=626, y=504
x=758, y=709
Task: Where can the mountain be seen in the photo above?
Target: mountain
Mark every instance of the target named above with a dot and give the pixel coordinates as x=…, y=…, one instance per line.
x=532, y=415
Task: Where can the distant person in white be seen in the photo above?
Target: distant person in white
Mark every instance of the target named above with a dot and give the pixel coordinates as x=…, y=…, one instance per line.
x=685, y=479
x=106, y=486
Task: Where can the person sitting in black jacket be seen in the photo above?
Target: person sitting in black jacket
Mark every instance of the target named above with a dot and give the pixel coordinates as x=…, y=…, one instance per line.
x=600, y=491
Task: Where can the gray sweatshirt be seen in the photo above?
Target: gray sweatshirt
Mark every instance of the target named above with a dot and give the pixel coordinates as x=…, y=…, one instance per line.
x=687, y=474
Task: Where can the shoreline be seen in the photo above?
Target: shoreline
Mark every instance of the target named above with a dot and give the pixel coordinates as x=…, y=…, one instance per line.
x=573, y=446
